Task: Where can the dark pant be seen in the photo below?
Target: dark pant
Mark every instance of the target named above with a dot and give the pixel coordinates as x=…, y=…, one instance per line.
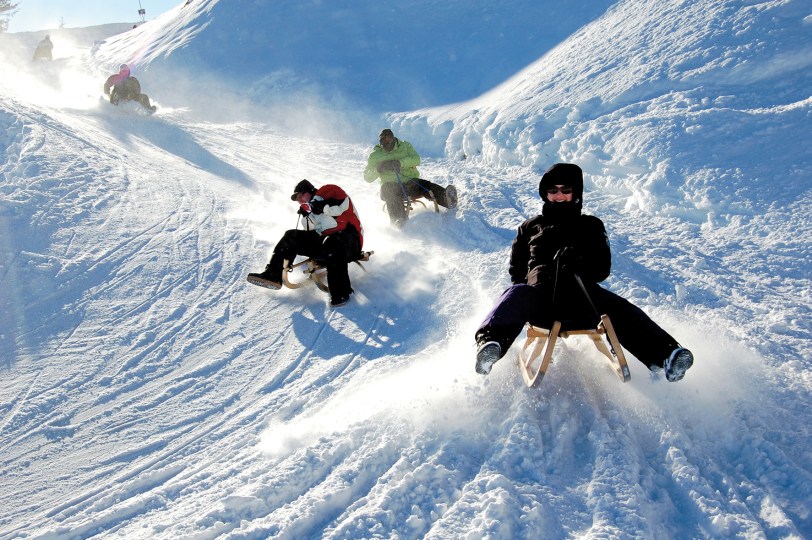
x=521, y=304
x=335, y=251
x=143, y=99
x=392, y=193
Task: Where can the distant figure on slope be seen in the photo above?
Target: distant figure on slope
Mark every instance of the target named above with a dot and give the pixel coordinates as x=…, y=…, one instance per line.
x=44, y=49
x=122, y=86
x=547, y=252
x=395, y=162
x=332, y=233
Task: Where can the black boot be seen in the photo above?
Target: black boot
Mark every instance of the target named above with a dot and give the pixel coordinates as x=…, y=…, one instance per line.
x=266, y=279
x=677, y=364
x=486, y=356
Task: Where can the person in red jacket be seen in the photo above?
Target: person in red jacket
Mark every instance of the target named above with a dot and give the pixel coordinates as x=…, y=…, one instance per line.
x=332, y=234
x=548, y=252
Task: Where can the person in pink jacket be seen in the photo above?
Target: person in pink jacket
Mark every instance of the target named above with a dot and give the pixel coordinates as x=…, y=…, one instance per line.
x=122, y=86
x=332, y=234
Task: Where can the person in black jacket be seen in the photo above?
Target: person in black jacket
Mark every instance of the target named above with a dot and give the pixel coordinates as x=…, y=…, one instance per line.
x=44, y=49
x=548, y=252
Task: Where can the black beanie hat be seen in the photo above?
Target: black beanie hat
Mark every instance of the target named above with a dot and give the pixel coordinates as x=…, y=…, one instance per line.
x=303, y=187
x=563, y=174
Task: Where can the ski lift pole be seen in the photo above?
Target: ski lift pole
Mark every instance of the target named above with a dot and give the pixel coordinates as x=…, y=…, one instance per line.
x=141, y=11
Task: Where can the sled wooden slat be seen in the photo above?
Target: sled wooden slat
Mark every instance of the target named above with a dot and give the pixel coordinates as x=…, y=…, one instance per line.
x=537, y=352
x=314, y=271
x=430, y=197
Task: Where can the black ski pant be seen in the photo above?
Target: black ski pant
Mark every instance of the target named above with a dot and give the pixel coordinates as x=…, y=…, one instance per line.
x=335, y=251
x=394, y=194
x=521, y=304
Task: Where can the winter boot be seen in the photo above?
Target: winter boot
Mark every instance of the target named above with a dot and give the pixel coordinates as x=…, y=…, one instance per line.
x=486, y=356
x=450, y=196
x=399, y=222
x=339, y=301
x=677, y=364
x=266, y=279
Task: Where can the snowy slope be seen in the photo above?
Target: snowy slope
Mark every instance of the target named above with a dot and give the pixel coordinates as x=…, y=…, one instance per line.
x=149, y=392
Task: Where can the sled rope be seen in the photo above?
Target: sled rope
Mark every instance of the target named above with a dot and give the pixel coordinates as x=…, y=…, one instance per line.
x=406, y=197
x=588, y=298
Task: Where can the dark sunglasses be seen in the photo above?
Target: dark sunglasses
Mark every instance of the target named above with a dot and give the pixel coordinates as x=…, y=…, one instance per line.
x=566, y=190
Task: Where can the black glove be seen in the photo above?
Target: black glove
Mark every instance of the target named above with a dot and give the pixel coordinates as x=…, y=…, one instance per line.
x=304, y=209
x=317, y=205
x=567, y=258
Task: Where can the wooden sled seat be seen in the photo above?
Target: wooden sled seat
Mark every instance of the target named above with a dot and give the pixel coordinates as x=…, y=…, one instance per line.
x=315, y=271
x=537, y=352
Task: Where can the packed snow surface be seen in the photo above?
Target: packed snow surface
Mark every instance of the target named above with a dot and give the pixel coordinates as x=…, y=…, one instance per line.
x=148, y=391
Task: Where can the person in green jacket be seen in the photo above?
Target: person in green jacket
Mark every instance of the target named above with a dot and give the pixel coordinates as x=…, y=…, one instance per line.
x=395, y=163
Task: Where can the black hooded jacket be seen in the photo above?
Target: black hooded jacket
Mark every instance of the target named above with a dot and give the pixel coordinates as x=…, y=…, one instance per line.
x=560, y=225
x=532, y=255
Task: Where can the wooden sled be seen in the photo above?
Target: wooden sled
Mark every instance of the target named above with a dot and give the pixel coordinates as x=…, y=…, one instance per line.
x=537, y=352
x=408, y=204
x=315, y=271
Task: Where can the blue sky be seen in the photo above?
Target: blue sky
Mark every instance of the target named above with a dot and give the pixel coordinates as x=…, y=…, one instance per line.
x=35, y=15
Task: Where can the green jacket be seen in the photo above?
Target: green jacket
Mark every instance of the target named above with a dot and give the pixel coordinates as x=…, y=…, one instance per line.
x=403, y=152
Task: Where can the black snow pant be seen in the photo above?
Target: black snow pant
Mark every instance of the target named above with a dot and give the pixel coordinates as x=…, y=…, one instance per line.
x=521, y=304
x=392, y=193
x=335, y=251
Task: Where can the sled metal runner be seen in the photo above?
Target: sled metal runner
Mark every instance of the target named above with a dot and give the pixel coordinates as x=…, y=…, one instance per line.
x=537, y=352
x=314, y=271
